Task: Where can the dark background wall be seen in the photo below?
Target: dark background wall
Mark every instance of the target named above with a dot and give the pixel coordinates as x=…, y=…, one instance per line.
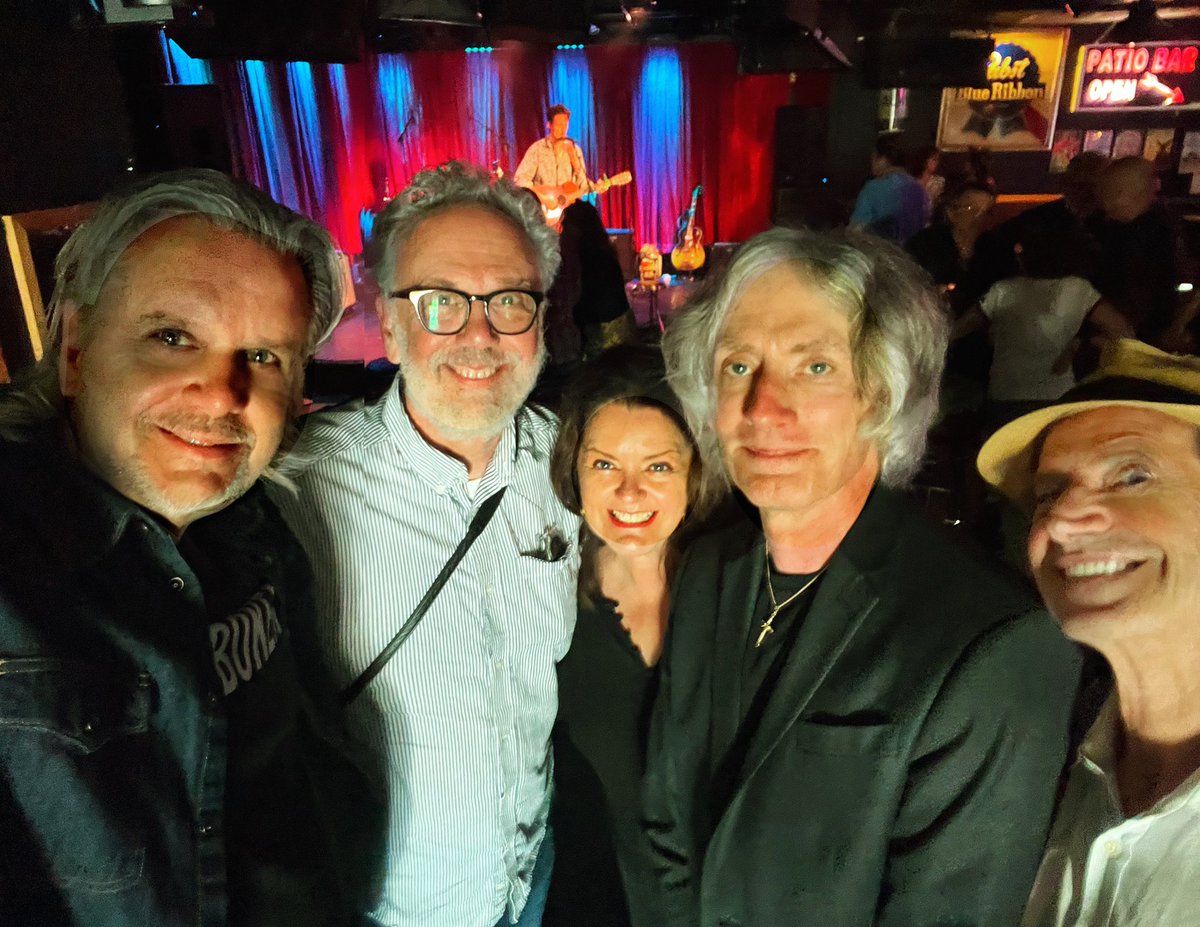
x=64, y=127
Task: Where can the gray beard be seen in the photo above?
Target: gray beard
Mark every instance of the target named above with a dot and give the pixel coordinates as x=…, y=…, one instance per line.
x=454, y=420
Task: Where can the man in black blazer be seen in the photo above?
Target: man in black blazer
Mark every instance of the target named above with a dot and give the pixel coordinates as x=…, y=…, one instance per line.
x=858, y=722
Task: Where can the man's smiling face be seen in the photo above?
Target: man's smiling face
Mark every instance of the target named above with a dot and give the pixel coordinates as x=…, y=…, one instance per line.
x=1115, y=541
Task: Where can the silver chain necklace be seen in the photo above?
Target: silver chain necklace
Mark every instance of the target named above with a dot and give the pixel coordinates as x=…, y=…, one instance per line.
x=766, y=628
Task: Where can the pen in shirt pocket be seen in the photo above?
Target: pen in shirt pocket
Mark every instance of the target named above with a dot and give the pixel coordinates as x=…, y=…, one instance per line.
x=550, y=546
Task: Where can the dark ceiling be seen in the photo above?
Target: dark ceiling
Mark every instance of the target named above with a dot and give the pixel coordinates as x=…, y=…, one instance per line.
x=824, y=33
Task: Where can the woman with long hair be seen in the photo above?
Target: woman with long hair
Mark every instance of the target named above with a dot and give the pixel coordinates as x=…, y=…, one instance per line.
x=627, y=464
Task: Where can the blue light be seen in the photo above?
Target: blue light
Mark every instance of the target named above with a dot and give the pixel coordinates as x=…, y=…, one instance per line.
x=182, y=67
x=396, y=109
x=660, y=112
x=305, y=116
x=571, y=85
x=276, y=154
x=341, y=100
x=491, y=113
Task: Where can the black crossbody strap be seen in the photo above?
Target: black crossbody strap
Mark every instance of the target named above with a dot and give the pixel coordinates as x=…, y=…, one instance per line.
x=478, y=523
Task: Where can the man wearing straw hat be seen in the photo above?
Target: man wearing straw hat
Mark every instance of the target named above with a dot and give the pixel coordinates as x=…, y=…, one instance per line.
x=1111, y=475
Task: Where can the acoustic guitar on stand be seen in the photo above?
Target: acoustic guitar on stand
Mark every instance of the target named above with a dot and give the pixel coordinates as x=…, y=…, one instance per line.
x=556, y=199
x=688, y=253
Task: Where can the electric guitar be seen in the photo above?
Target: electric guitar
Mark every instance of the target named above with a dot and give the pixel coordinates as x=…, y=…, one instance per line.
x=556, y=199
x=688, y=253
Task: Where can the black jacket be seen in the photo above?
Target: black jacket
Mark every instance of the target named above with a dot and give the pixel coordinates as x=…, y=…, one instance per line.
x=904, y=770
x=160, y=760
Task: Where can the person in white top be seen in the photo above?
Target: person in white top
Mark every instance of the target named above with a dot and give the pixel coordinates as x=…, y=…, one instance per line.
x=1112, y=475
x=1034, y=323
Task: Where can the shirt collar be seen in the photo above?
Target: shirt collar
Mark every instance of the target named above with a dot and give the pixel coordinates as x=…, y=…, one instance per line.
x=438, y=468
x=1099, y=744
x=84, y=514
x=1098, y=749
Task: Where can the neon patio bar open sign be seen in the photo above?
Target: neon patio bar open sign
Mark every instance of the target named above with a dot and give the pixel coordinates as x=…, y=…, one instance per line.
x=1142, y=76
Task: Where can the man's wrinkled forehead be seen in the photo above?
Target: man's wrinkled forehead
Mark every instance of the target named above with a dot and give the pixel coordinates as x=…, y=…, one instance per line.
x=1108, y=432
x=171, y=224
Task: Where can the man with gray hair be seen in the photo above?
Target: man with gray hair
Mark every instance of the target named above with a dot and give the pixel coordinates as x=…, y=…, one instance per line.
x=858, y=723
x=447, y=591
x=158, y=760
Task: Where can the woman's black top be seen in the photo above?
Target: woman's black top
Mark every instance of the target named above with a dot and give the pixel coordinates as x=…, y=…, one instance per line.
x=601, y=871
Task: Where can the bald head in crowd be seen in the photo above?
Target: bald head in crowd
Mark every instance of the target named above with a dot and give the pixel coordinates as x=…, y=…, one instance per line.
x=1126, y=188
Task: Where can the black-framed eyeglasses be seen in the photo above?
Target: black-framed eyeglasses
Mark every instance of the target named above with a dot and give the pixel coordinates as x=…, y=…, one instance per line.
x=443, y=311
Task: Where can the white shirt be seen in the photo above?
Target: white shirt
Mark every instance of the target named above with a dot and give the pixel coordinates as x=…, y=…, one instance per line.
x=1102, y=869
x=1032, y=322
x=460, y=717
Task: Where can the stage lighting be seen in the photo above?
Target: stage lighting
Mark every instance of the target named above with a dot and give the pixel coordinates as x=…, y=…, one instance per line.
x=445, y=12
x=122, y=12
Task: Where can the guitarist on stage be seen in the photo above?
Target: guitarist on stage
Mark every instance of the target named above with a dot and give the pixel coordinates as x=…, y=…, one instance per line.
x=555, y=159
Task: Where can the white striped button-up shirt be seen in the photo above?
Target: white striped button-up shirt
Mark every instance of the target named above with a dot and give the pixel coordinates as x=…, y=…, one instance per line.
x=460, y=717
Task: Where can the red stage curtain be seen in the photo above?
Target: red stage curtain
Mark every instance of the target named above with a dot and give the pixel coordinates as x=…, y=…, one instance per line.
x=726, y=143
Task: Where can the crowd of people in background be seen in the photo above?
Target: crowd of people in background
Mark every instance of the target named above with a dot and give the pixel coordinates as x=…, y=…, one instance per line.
x=682, y=649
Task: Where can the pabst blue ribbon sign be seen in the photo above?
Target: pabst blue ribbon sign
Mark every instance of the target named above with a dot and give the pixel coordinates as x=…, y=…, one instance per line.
x=1016, y=109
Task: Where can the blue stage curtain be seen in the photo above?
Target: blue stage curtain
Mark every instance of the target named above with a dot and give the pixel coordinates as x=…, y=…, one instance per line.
x=397, y=112
x=182, y=68
x=272, y=147
x=571, y=85
x=660, y=114
x=341, y=106
x=493, y=133
x=312, y=164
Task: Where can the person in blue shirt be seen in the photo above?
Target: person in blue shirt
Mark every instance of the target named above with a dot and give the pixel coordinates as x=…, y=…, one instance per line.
x=893, y=204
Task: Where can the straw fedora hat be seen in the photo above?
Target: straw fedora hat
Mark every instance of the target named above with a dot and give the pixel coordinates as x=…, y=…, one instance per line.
x=1130, y=374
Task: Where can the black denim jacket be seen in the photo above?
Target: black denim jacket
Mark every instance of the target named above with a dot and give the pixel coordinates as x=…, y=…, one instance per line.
x=159, y=760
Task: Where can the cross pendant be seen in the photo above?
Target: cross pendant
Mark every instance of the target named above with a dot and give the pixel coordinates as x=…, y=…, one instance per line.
x=766, y=628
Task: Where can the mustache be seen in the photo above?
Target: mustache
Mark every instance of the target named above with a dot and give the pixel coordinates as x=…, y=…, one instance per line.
x=475, y=357
x=227, y=429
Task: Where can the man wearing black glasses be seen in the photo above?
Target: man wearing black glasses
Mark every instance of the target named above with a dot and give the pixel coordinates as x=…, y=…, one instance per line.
x=454, y=700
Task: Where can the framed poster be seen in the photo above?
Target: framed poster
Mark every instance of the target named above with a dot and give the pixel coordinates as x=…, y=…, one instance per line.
x=1159, y=145
x=1128, y=144
x=1016, y=112
x=1067, y=144
x=1100, y=140
x=1189, y=155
